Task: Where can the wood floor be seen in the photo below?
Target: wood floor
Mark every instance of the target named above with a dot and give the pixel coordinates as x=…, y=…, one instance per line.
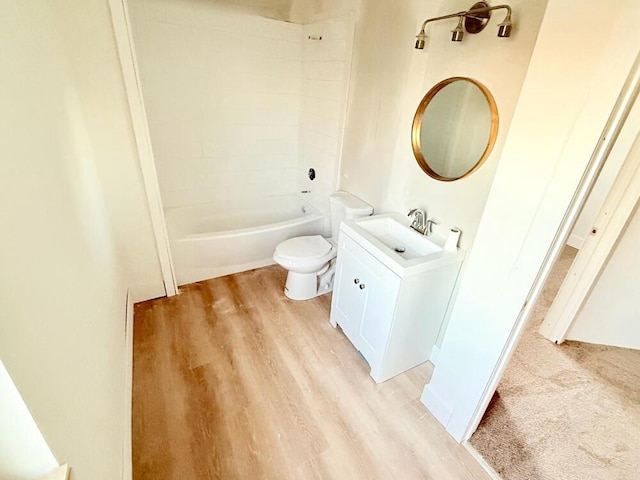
x=232, y=380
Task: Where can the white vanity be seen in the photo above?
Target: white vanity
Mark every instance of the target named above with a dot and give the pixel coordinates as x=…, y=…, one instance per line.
x=391, y=291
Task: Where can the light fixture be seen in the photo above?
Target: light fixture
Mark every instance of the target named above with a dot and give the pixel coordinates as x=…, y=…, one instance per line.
x=504, y=28
x=458, y=32
x=475, y=20
x=421, y=39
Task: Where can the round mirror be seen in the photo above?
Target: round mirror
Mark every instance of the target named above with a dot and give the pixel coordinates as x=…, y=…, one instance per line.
x=454, y=128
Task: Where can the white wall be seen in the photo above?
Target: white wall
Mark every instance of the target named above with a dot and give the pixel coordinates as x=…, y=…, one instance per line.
x=23, y=451
x=275, y=9
x=380, y=69
x=295, y=11
x=312, y=11
x=86, y=30
x=62, y=288
x=544, y=155
x=390, y=79
x=610, y=313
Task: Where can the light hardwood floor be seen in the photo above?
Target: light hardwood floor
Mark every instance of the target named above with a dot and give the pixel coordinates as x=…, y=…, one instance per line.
x=232, y=380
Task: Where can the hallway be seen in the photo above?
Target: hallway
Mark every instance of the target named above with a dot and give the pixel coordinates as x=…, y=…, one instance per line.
x=570, y=411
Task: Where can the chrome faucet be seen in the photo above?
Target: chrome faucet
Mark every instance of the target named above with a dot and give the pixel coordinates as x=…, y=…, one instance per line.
x=428, y=227
x=420, y=223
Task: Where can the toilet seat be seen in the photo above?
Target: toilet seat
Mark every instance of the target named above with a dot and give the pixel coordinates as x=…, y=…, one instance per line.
x=307, y=248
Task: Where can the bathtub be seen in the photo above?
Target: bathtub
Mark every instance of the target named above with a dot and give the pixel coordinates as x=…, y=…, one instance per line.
x=209, y=241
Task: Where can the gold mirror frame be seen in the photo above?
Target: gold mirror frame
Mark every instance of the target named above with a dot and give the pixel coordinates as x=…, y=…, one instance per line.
x=417, y=125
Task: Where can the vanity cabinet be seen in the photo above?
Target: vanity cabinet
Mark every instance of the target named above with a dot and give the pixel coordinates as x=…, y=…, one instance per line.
x=393, y=320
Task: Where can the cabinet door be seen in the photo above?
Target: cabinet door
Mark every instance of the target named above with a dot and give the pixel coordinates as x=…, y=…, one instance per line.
x=366, y=297
x=348, y=298
x=382, y=294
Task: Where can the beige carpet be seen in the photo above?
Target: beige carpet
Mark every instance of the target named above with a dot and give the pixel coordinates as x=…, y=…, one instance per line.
x=570, y=411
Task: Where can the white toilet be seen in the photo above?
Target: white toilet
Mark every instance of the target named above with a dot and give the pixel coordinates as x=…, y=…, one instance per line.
x=311, y=259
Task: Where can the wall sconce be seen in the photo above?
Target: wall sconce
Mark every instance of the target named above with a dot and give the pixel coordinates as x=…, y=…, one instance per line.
x=475, y=20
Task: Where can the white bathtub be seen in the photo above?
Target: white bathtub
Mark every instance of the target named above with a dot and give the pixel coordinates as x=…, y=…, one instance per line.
x=209, y=241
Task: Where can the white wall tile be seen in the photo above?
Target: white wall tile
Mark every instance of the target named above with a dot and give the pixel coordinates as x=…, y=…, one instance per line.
x=324, y=70
x=323, y=89
x=319, y=142
x=239, y=106
x=331, y=110
x=318, y=124
x=325, y=50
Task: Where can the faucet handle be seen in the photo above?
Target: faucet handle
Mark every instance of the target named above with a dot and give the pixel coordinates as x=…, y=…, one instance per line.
x=428, y=225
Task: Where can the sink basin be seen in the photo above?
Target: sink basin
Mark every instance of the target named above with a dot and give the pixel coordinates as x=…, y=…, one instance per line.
x=404, y=251
x=400, y=238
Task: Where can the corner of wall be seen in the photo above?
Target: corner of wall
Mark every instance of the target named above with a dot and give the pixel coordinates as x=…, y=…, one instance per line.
x=436, y=405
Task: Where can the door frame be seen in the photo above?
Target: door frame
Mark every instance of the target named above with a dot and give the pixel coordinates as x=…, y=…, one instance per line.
x=591, y=259
x=130, y=73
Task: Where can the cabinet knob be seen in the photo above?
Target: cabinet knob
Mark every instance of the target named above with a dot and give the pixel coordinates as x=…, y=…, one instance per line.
x=362, y=286
x=356, y=281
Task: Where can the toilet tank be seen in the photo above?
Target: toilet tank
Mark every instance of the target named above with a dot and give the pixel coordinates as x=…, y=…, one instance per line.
x=345, y=206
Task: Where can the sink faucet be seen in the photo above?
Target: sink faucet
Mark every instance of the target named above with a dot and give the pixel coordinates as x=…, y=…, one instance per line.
x=428, y=228
x=420, y=223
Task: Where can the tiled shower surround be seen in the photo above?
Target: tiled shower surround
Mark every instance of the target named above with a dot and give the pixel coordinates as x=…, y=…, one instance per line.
x=239, y=105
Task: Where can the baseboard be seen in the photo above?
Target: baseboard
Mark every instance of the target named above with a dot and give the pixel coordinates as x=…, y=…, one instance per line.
x=433, y=358
x=436, y=405
x=60, y=473
x=192, y=275
x=127, y=450
x=481, y=461
x=575, y=241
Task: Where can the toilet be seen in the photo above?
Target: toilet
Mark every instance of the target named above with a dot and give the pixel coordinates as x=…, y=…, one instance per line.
x=311, y=259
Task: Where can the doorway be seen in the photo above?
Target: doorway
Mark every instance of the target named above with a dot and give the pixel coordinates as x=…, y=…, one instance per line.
x=578, y=402
x=575, y=403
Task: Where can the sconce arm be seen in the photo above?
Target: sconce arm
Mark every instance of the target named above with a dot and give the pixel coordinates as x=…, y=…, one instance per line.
x=443, y=17
x=466, y=13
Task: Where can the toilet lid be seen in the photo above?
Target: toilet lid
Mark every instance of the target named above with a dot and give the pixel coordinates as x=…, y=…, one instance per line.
x=304, y=247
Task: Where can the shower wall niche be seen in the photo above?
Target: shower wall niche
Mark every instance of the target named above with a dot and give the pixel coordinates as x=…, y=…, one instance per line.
x=240, y=106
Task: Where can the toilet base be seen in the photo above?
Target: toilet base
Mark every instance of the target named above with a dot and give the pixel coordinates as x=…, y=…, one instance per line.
x=304, y=286
x=301, y=286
